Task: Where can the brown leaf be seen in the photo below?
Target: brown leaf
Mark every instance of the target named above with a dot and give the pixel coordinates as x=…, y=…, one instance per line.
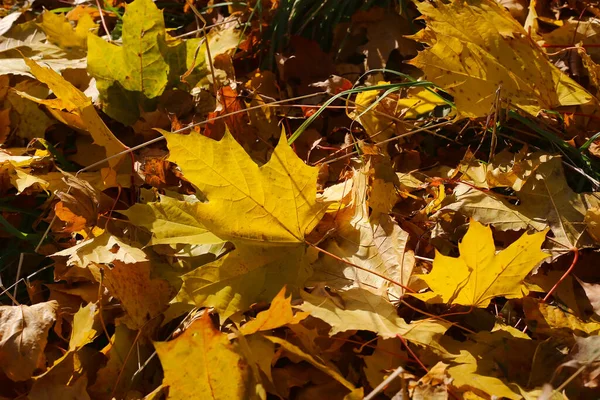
x=23, y=338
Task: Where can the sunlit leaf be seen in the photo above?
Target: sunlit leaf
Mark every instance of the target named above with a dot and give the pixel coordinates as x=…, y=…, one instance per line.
x=479, y=274
x=202, y=363
x=477, y=48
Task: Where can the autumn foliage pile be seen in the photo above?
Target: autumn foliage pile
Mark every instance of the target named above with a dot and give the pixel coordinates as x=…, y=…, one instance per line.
x=300, y=200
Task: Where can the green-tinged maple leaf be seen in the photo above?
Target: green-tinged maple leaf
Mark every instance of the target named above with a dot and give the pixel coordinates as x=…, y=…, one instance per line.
x=479, y=274
x=24, y=335
x=476, y=47
x=280, y=313
x=275, y=203
x=171, y=221
x=123, y=73
x=245, y=276
x=103, y=249
x=360, y=309
x=131, y=76
x=265, y=211
x=201, y=363
x=321, y=365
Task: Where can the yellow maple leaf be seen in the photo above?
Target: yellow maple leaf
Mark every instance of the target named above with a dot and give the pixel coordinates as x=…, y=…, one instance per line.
x=477, y=47
x=202, y=364
x=75, y=102
x=279, y=314
x=274, y=203
x=479, y=274
x=60, y=32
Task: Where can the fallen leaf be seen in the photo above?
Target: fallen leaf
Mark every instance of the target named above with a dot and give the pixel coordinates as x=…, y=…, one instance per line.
x=142, y=297
x=74, y=101
x=23, y=338
x=592, y=291
x=103, y=249
x=247, y=275
x=479, y=274
x=171, y=221
x=60, y=32
x=275, y=202
x=546, y=320
x=279, y=314
x=388, y=356
x=361, y=309
x=202, y=363
x=490, y=50
x=374, y=242
x=328, y=369
x=130, y=76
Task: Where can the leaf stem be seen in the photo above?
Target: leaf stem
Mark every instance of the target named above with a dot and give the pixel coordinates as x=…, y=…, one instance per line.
x=562, y=278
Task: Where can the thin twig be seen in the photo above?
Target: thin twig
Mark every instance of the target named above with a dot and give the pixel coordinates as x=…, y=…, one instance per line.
x=385, y=383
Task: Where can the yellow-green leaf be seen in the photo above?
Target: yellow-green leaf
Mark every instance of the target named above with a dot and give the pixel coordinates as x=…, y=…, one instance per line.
x=274, y=203
x=171, y=221
x=245, y=276
x=479, y=274
x=201, y=363
x=123, y=73
x=476, y=48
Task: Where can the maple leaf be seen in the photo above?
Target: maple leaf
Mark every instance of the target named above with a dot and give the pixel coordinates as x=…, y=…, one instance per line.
x=23, y=337
x=479, y=274
x=274, y=203
x=132, y=75
x=103, y=249
x=545, y=200
x=544, y=319
x=476, y=47
x=202, y=363
x=247, y=275
x=60, y=32
x=171, y=221
x=279, y=313
x=360, y=309
x=74, y=101
x=374, y=242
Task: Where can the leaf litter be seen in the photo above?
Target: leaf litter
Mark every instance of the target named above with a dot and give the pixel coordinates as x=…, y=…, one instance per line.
x=388, y=201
